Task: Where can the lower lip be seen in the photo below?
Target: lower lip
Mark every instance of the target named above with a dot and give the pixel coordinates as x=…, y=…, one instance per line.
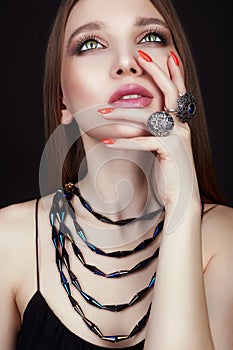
x=133, y=102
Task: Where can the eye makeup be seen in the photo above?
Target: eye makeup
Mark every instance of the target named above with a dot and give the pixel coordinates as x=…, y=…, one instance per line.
x=83, y=40
x=76, y=48
x=163, y=37
x=152, y=36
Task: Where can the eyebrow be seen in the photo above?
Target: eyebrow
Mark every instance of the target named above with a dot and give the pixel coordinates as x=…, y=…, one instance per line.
x=145, y=21
x=98, y=25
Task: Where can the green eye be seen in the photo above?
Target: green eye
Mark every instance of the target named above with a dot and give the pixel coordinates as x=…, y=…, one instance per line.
x=152, y=37
x=90, y=45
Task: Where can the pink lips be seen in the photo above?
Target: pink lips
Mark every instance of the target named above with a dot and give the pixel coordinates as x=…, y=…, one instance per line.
x=131, y=89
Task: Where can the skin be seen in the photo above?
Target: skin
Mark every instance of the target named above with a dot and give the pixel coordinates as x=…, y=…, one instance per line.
x=193, y=251
x=86, y=82
x=85, y=76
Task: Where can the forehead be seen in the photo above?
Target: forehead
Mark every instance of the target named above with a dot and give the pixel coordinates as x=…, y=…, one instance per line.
x=113, y=13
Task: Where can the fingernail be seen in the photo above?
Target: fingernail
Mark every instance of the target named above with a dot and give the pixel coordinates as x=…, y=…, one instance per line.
x=175, y=59
x=105, y=110
x=145, y=56
x=108, y=141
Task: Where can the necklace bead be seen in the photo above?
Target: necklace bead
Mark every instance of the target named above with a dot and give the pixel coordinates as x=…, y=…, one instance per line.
x=58, y=214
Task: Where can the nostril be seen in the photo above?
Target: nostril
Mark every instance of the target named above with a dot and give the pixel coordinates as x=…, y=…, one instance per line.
x=120, y=71
x=133, y=70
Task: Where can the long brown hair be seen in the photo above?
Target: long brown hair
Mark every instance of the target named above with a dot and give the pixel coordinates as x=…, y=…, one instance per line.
x=209, y=189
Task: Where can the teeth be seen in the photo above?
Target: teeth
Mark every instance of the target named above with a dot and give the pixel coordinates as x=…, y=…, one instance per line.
x=127, y=97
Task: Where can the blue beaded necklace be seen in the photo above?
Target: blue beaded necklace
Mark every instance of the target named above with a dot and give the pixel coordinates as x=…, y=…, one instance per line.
x=116, y=254
x=71, y=189
x=57, y=215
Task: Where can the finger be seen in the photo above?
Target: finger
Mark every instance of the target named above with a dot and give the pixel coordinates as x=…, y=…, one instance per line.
x=139, y=115
x=167, y=86
x=136, y=144
x=174, y=143
x=160, y=145
x=176, y=73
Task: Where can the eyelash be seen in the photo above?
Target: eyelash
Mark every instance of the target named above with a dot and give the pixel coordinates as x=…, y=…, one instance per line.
x=91, y=37
x=158, y=33
x=83, y=40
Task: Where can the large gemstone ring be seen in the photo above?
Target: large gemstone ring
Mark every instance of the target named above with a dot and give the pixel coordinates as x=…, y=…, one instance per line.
x=160, y=123
x=186, y=107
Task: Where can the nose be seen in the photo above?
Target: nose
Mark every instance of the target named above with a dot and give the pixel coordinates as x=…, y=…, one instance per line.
x=126, y=65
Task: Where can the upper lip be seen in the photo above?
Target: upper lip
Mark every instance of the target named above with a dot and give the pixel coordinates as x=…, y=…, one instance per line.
x=130, y=89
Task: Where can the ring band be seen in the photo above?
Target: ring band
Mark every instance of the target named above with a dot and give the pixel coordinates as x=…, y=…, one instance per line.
x=171, y=110
x=186, y=107
x=160, y=124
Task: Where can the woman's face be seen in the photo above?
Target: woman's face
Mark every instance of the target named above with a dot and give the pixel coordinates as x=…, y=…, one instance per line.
x=100, y=53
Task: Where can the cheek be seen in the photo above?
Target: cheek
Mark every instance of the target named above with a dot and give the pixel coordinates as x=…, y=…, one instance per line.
x=82, y=86
x=162, y=61
x=160, y=57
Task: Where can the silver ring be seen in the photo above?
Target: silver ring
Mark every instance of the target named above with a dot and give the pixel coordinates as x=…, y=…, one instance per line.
x=160, y=124
x=171, y=110
x=186, y=107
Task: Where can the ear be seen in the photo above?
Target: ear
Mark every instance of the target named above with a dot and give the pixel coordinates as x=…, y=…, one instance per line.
x=66, y=117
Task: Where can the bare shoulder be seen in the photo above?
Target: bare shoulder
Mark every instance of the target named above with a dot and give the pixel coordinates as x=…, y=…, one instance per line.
x=217, y=214
x=217, y=229
x=217, y=247
x=17, y=227
x=218, y=273
x=16, y=219
x=16, y=251
x=16, y=210
x=16, y=232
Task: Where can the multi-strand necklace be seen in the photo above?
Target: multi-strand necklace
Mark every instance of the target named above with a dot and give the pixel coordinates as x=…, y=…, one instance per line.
x=61, y=207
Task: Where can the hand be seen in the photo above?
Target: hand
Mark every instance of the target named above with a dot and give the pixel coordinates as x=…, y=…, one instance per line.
x=174, y=152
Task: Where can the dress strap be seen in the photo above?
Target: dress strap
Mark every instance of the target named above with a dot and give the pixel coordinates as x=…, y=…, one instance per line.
x=202, y=209
x=37, y=244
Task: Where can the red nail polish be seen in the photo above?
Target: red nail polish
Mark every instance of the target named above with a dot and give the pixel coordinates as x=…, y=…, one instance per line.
x=108, y=141
x=175, y=59
x=145, y=56
x=105, y=110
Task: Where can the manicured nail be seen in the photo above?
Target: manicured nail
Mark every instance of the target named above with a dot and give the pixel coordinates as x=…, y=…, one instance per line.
x=175, y=59
x=105, y=110
x=145, y=56
x=108, y=141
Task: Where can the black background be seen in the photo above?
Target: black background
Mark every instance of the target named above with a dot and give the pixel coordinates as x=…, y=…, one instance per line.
x=24, y=32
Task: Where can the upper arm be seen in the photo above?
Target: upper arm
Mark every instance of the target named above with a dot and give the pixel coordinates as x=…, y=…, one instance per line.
x=219, y=285
x=13, y=238
x=9, y=320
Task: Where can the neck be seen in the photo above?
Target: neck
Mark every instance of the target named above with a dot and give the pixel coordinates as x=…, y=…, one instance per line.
x=119, y=183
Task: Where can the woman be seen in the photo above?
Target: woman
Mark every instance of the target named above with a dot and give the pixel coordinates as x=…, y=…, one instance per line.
x=146, y=263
